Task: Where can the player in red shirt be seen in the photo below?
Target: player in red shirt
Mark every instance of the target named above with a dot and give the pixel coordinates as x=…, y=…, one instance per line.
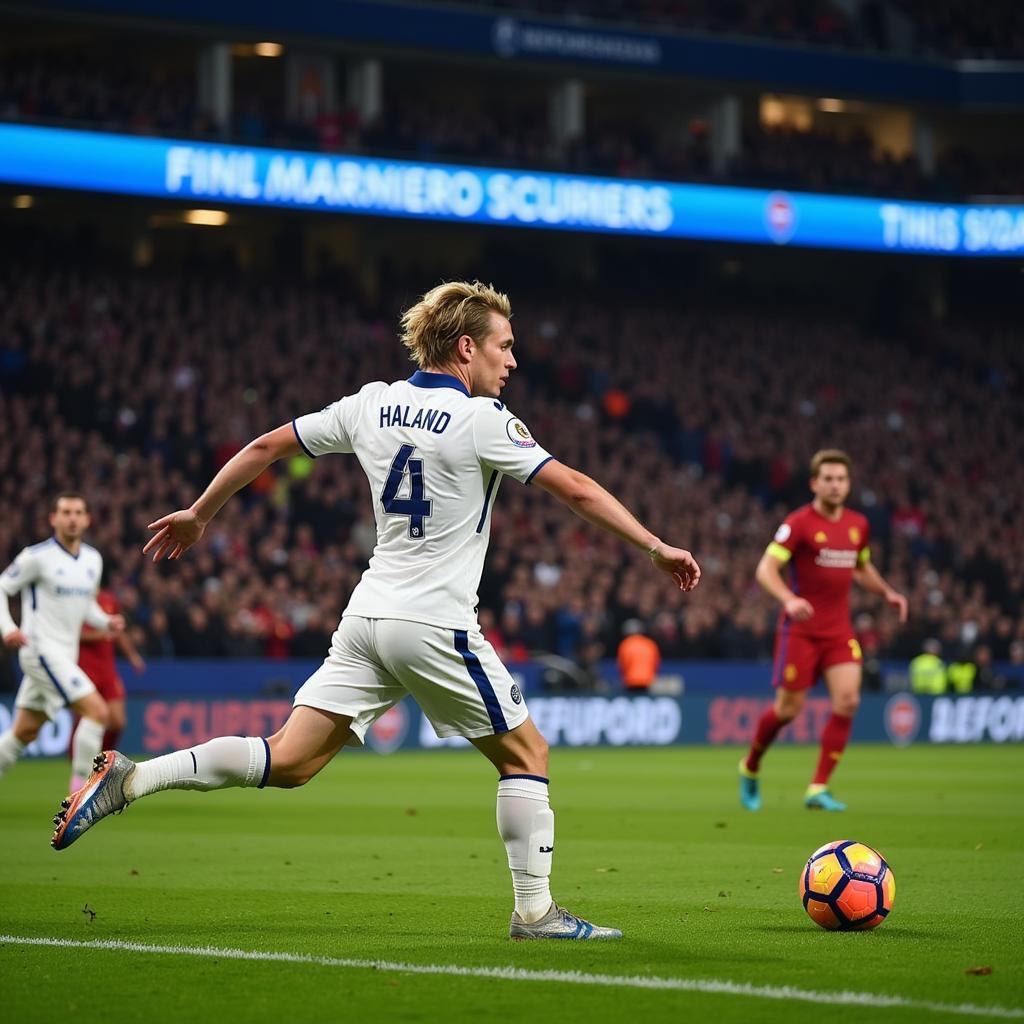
x=96, y=659
x=826, y=549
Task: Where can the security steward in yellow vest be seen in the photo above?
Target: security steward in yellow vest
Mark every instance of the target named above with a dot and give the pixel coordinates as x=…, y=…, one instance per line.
x=961, y=676
x=928, y=670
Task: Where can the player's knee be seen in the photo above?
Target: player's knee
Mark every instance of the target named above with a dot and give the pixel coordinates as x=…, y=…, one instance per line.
x=847, y=704
x=25, y=733
x=539, y=754
x=788, y=707
x=101, y=716
x=533, y=758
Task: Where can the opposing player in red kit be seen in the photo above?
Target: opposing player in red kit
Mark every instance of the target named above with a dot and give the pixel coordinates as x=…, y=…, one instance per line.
x=826, y=549
x=96, y=660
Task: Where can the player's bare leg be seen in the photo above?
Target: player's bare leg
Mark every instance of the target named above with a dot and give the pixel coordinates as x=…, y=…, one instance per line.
x=304, y=745
x=843, y=683
x=24, y=729
x=527, y=828
x=788, y=704
x=87, y=742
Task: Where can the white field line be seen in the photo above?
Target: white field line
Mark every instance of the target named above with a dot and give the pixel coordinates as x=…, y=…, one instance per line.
x=707, y=985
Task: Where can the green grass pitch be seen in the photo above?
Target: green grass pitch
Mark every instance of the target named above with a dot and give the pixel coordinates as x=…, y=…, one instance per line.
x=398, y=859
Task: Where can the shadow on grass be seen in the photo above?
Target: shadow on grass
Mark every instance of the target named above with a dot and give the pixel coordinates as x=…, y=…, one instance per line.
x=883, y=934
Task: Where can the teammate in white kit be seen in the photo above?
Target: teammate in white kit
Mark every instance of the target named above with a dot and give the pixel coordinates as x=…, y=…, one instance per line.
x=58, y=580
x=434, y=449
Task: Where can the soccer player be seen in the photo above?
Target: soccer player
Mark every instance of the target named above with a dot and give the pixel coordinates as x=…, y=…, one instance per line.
x=58, y=580
x=434, y=449
x=826, y=548
x=96, y=658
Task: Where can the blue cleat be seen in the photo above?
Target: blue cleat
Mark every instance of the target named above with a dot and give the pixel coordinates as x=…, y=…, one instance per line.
x=818, y=798
x=102, y=794
x=559, y=923
x=750, y=788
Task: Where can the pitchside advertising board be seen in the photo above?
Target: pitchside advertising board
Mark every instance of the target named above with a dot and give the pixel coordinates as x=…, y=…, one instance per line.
x=205, y=173
x=160, y=725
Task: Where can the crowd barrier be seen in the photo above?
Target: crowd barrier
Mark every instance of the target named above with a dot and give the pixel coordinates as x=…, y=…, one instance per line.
x=258, y=677
x=158, y=725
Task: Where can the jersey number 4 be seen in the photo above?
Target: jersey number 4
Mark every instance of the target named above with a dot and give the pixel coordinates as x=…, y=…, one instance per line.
x=416, y=507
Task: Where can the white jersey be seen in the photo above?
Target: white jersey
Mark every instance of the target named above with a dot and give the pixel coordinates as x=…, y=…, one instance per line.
x=434, y=458
x=58, y=593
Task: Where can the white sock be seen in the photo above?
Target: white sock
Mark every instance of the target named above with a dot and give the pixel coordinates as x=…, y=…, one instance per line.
x=219, y=764
x=88, y=742
x=11, y=748
x=527, y=827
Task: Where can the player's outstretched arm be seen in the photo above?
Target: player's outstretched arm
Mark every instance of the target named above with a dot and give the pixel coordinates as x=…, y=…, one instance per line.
x=868, y=577
x=126, y=645
x=174, y=534
x=590, y=501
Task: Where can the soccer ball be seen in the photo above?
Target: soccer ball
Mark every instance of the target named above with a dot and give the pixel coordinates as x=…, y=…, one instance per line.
x=847, y=886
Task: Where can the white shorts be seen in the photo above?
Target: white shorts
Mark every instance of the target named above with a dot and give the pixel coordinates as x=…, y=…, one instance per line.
x=50, y=682
x=454, y=675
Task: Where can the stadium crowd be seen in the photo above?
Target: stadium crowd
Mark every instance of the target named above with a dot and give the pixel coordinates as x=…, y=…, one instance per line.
x=149, y=98
x=136, y=389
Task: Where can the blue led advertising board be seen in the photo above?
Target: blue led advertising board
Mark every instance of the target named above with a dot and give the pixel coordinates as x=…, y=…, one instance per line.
x=205, y=173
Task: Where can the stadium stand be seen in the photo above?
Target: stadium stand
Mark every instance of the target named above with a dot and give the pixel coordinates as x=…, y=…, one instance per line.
x=135, y=389
x=952, y=28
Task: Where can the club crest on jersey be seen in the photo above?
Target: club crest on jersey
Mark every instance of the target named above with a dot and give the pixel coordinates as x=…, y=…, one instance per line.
x=519, y=435
x=854, y=535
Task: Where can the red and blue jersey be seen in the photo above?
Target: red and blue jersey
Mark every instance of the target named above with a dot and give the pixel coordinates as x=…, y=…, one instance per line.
x=821, y=555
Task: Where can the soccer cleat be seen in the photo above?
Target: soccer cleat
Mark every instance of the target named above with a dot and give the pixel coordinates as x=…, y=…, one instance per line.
x=750, y=787
x=558, y=923
x=102, y=794
x=822, y=800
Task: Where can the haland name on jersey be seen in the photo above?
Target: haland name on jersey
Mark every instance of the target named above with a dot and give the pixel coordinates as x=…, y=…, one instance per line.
x=434, y=420
x=831, y=558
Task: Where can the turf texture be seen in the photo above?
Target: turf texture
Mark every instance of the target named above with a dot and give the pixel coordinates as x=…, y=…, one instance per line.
x=397, y=859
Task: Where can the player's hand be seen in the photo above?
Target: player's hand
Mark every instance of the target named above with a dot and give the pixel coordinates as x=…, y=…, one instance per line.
x=679, y=564
x=799, y=609
x=15, y=639
x=138, y=664
x=174, y=534
x=896, y=600
x=116, y=625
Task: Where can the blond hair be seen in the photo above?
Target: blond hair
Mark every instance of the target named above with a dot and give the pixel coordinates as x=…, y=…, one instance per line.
x=431, y=328
x=829, y=455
